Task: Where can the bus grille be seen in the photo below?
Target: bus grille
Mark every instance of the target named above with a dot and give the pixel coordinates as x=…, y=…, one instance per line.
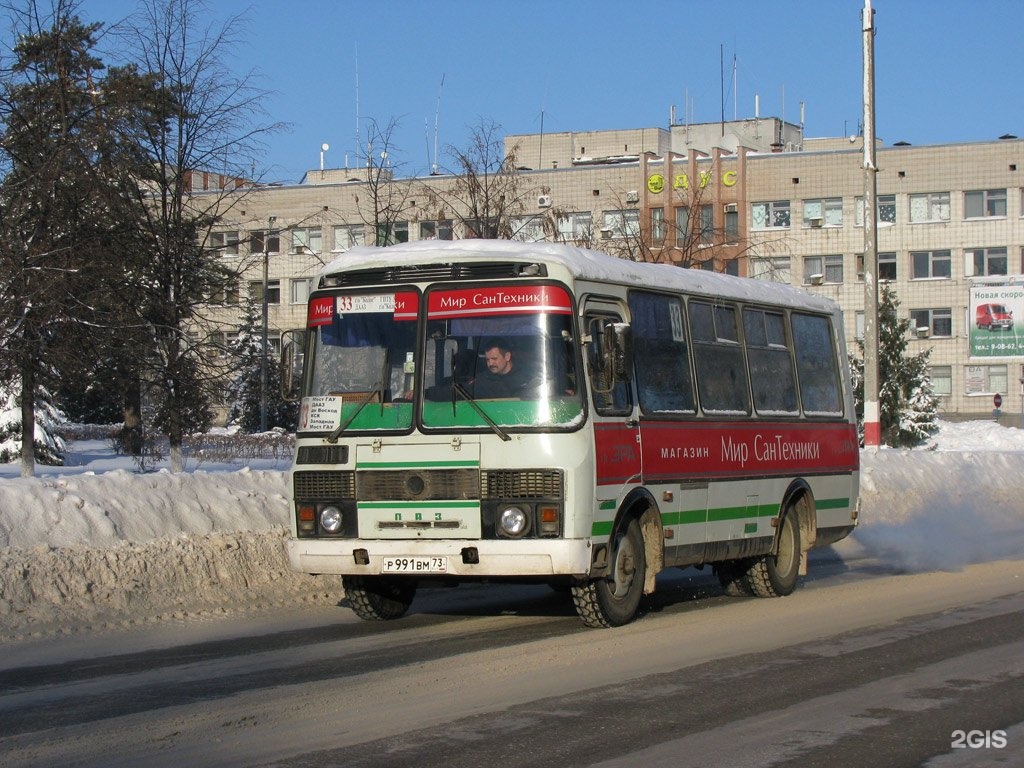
x=420, y=272
x=418, y=484
x=324, y=486
x=523, y=484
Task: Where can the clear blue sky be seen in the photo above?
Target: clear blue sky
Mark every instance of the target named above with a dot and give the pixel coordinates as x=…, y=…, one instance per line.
x=945, y=71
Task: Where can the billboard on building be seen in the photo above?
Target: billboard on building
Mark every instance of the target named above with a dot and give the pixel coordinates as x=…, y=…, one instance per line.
x=996, y=321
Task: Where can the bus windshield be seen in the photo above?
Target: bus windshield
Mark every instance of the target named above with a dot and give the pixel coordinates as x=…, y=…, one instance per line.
x=363, y=362
x=501, y=355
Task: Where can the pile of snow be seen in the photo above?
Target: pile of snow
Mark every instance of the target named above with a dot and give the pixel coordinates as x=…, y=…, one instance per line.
x=95, y=544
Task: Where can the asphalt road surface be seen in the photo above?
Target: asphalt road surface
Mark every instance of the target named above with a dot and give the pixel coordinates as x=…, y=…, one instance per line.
x=860, y=666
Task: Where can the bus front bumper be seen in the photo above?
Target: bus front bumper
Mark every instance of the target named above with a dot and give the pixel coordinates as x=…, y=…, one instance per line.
x=470, y=559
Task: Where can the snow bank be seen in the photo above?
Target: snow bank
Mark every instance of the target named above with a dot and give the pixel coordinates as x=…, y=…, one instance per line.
x=116, y=548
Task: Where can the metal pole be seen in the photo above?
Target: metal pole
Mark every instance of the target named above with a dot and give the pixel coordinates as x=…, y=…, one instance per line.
x=263, y=348
x=872, y=415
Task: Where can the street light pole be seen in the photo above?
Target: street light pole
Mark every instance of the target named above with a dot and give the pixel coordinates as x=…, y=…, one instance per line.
x=872, y=409
x=263, y=349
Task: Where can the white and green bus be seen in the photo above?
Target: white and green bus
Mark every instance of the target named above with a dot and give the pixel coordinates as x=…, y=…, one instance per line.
x=488, y=410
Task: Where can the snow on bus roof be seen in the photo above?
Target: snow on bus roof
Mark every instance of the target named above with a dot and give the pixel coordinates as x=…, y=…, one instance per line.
x=585, y=264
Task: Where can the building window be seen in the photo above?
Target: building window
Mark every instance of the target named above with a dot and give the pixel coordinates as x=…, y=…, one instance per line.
x=625, y=223
x=886, y=266
x=226, y=294
x=576, y=227
x=823, y=269
x=396, y=232
x=683, y=225
x=273, y=291
x=528, y=229
x=986, y=379
x=776, y=269
x=931, y=264
x=349, y=236
x=732, y=224
x=771, y=215
x=707, y=225
x=942, y=379
x=260, y=239
x=985, y=261
x=437, y=230
x=300, y=290
x=307, y=238
x=824, y=212
x=928, y=207
x=932, y=322
x=886, y=205
x=858, y=324
x=984, y=203
x=658, y=225
x=226, y=242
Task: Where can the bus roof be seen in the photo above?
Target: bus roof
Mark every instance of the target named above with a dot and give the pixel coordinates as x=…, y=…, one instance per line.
x=583, y=264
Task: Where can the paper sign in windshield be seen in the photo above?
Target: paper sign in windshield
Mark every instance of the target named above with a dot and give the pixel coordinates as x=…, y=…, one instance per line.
x=320, y=414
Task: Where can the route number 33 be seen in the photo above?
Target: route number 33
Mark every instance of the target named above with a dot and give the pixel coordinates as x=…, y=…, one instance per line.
x=978, y=739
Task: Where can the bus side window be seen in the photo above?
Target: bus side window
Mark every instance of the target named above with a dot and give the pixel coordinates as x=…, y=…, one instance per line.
x=611, y=396
x=816, y=365
x=718, y=359
x=663, y=377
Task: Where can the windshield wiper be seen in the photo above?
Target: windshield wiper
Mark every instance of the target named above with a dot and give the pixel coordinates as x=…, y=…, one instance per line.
x=377, y=391
x=458, y=388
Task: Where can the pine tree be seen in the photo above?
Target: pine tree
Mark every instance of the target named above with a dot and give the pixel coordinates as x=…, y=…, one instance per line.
x=908, y=407
x=49, y=447
x=246, y=349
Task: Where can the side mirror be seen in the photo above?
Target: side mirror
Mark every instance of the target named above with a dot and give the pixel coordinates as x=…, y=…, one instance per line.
x=293, y=356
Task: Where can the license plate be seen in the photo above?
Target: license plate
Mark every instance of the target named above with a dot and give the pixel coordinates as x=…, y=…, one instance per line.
x=415, y=565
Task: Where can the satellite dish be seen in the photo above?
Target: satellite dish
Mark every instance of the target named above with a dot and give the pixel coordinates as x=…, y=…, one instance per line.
x=324, y=147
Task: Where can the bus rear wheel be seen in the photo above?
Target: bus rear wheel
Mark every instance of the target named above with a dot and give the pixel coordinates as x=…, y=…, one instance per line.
x=613, y=600
x=379, y=598
x=774, y=575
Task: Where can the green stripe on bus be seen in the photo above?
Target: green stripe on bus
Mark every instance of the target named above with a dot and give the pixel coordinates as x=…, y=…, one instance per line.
x=419, y=504
x=832, y=503
x=699, y=517
x=607, y=504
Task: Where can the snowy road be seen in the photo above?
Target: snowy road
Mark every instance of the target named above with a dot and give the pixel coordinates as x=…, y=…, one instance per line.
x=859, y=664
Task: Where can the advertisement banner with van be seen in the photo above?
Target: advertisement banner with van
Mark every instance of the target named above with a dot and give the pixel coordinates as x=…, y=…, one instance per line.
x=994, y=321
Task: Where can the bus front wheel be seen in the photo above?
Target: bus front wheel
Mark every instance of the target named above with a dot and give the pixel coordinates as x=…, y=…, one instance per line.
x=774, y=575
x=613, y=600
x=379, y=598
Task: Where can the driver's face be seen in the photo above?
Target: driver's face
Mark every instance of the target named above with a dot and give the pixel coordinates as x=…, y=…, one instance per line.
x=497, y=361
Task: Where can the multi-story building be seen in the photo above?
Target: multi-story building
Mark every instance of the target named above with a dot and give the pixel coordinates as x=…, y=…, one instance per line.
x=752, y=197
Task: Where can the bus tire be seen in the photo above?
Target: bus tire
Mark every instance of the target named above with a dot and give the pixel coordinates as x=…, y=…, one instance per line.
x=613, y=600
x=379, y=598
x=774, y=575
x=732, y=576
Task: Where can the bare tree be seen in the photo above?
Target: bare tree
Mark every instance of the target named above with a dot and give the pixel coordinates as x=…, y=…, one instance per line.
x=487, y=195
x=385, y=202
x=208, y=143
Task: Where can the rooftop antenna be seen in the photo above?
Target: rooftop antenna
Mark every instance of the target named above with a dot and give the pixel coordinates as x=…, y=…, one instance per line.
x=437, y=114
x=357, y=100
x=323, y=148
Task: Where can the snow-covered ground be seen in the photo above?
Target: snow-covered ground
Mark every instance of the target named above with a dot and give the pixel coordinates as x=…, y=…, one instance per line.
x=96, y=544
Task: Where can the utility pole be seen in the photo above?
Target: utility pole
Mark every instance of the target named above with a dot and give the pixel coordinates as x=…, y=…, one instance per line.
x=263, y=350
x=872, y=413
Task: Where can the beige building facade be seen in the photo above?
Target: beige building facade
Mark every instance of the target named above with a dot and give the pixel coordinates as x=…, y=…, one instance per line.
x=751, y=197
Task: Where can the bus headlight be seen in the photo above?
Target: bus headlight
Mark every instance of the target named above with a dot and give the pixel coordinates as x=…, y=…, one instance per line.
x=514, y=521
x=330, y=519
